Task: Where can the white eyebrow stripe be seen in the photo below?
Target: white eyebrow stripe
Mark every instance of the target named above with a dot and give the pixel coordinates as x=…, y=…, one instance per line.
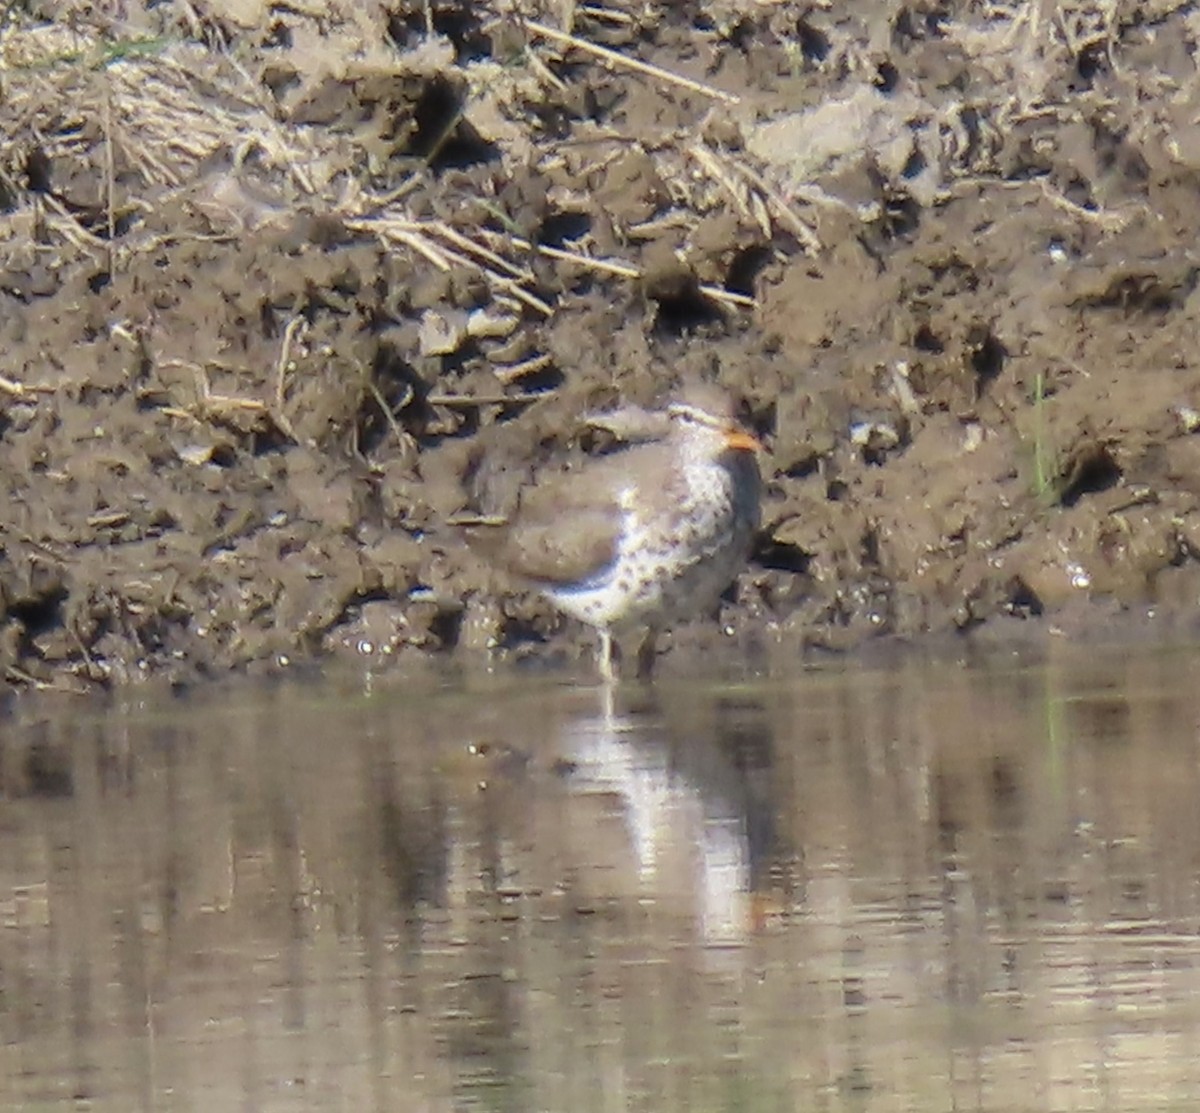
x=682, y=409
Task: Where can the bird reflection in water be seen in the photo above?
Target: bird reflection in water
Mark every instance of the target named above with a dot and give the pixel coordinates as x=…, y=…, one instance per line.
x=685, y=805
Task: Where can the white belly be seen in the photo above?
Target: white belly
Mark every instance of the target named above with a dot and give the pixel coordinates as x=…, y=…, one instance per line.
x=664, y=574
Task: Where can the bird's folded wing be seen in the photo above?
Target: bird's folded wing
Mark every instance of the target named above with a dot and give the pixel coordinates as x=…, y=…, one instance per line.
x=565, y=550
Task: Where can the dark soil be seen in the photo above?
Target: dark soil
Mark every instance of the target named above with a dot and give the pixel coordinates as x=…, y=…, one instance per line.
x=282, y=293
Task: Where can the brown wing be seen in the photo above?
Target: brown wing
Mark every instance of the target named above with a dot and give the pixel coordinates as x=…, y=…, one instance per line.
x=567, y=529
x=564, y=531
x=548, y=552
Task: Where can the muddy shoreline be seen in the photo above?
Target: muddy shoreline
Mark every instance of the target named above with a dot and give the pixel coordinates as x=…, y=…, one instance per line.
x=282, y=293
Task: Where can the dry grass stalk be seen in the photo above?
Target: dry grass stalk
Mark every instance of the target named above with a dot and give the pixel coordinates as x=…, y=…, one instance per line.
x=1103, y=218
x=516, y=371
x=419, y=237
x=606, y=15
x=12, y=672
x=293, y=327
x=721, y=170
x=110, y=180
x=105, y=521
x=209, y=405
x=652, y=229
x=497, y=262
x=715, y=169
x=627, y=270
x=588, y=262
x=22, y=390
x=420, y=244
x=468, y=401
x=67, y=225
x=406, y=443
x=615, y=58
x=545, y=72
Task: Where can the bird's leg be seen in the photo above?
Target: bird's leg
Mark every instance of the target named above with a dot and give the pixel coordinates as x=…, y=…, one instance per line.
x=605, y=658
x=608, y=694
x=647, y=655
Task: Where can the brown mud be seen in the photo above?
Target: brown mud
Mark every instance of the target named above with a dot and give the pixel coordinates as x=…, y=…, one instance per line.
x=282, y=291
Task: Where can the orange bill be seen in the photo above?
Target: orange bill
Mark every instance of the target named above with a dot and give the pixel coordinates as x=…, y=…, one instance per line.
x=743, y=441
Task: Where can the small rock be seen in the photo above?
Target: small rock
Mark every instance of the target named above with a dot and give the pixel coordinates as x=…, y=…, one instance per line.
x=1189, y=418
x=442, y=331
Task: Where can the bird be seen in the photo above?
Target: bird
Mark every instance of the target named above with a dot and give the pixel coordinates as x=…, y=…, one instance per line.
x=640, y=537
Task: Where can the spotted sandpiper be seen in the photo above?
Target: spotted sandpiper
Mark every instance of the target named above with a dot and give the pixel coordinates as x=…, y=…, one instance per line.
x=640, y=537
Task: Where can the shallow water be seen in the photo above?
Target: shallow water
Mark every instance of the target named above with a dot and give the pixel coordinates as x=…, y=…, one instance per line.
x=924, y=887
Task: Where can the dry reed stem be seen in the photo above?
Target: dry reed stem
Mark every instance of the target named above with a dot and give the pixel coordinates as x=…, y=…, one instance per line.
x=12, y=672
x=516, y=371
x=418, y=237
x=405, y=442
x=652, y=229
x=615, y=58
x=719, y=293
x=715, y=168
x=209, y=404
x=21, y=390
x=603, y=266
x=68, y=226
x=546, y=73
x=627, y=270
x=103, y=521
x=779, y=205
x=293, y=327
x=420, y=244
x=1112, y=221
x=608, y=15
x=466, y=401
x=498, y=262
x=110, y=179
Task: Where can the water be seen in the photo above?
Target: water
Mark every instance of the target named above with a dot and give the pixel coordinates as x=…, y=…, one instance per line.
x=927, y=887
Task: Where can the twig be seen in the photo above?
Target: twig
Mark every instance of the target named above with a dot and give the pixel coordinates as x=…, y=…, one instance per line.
x=717, y=170
x=68, y=224
x=14, y=673
x=403, y=439
x=110, y=178
x=112, y=518
x=615, y=58
x=604, y=266
x=421, y=246
x=515, y=371
x=417, y=236
x=626, y=270
x=606, y=14
x=779, y=203
x=295, y=325
x=1103, y=217
x=545, y=72
x=20, y=390
x=498, y=262
x=466, y=401
x=209, y=403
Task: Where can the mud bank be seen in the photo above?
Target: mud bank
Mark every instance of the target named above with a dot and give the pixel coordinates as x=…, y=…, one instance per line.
x=281, y=293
